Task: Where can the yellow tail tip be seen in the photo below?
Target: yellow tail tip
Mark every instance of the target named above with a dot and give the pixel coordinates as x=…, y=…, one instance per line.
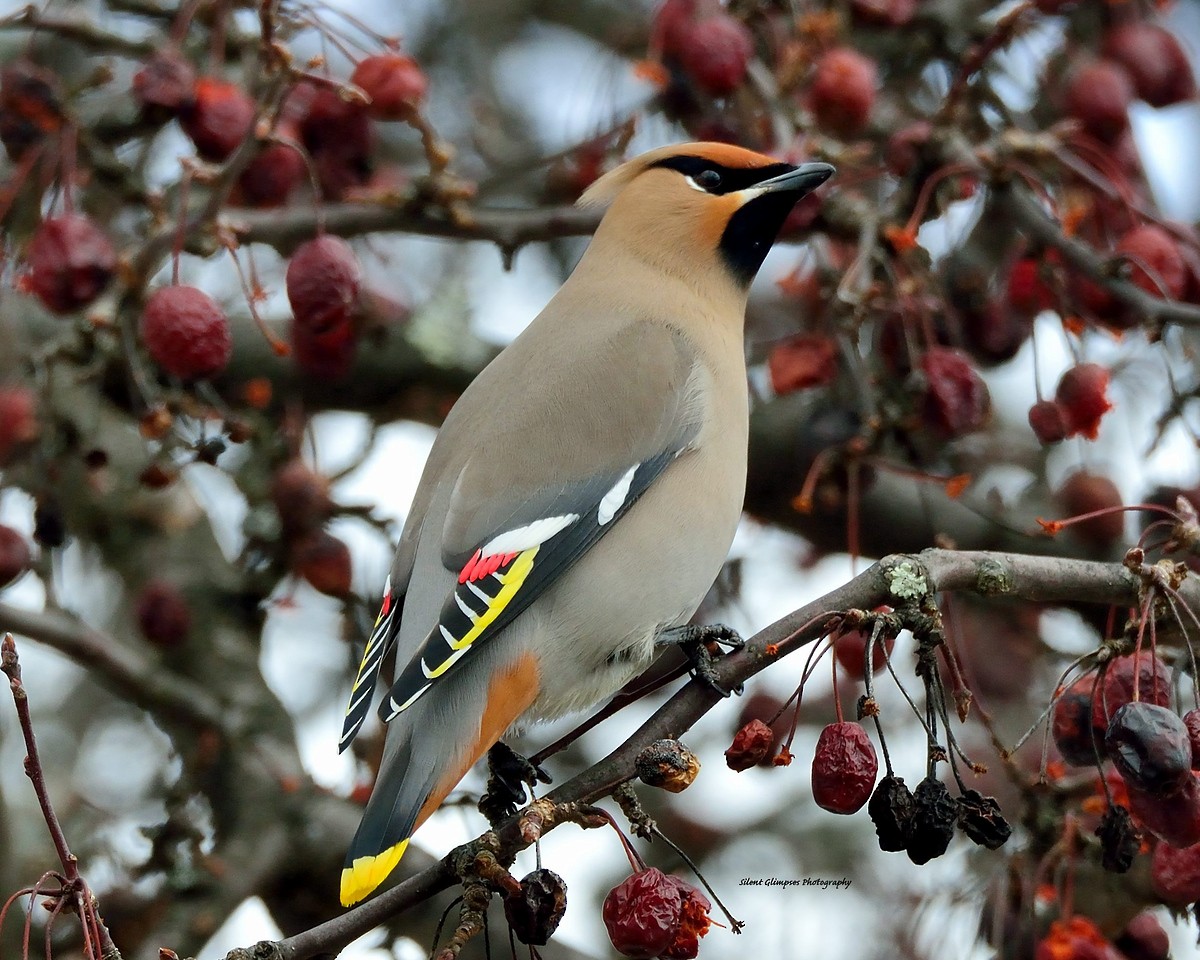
x=367, y=873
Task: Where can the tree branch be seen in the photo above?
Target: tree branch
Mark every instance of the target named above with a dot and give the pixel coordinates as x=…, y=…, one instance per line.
x=913, y=577
x=78, y=29
x=130, y=674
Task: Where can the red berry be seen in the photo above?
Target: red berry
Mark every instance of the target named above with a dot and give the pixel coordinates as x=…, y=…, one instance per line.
x=14, y=555
x=884, y=13
x=1175, y=874
x=394, y=83
x=1153, y=679
x=1071, y=725
x=1150, y=747
x=1157, y=265
x=807, y=360
x=1191, y=720
x=1084, y=492
x=768, y=709
x=339, y=135
x=162, y=614
x=643, y=913
x=324, y=561
x=270, y=177
x=1049, y=421
x=1098, y=95
x=165, y=86
x=693, y=922
x=750, y=746
x=1156, y=63
x=843, y=90
x=992, y=331
x=18, y=420
x=1175, y=818
x=716, y=52
x=850, y=648
x=1144, y=939
x=1027, y=292
x=672, y=21
x=220, y=117
x=1082, y=396
x=323, y=283
x=30, y=107
x=904, y=149
x=301, y=495
x=324, y=354
x=844, y=768
x=71, y=261
x=186, y=333
x=956, y=399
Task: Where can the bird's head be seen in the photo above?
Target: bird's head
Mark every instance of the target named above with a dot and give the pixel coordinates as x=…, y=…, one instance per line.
x=700, y=206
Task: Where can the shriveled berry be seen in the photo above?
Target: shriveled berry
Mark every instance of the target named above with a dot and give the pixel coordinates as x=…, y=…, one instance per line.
x=339, y=135
x=715, y=53
x=956, y=400
x=979, y=817
x=1175, y=818
x=1049, y=421
x=992, y=332
x=49, y=526
x=1119, y=840
x=850, y=648
x=750, y=745
x=883, y=13
x=301, y=496
x=323, y=283
x=1152, y=677
x=324, y=354
x=394, y=82
x=932, y=826
x=18, y=420
x=163, y=615
x=843, y=768
x=1157, y=265
x=165, y=85
x=14, y=555
x=843, y=90
x=1149, y=745
x=270, y=177
x=534, y=913
x=807, y=360
x=1098, y=95
x=324, y=561
x=30, y=107
x=1084, y=492
x=1175, y=874
x=186, y=333
x=693, y=922
x=1026, y=291
x=672, y=20
x=891, y=810
x=1071, y=724
x=767, y=709
x=668, y=765
x=642, y=914
x=1144, y=939
x=1082, y=395
x=219, y=118
x=1191, y=720
x=1155, y=61
x=71, y=261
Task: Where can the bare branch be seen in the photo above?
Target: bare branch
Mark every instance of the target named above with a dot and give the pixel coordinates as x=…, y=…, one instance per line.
x=81, y=30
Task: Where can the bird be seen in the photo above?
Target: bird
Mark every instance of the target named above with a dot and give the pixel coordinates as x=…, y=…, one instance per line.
x=584, y=490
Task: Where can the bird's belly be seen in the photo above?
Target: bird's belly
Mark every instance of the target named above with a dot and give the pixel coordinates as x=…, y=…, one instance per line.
x=652, y=570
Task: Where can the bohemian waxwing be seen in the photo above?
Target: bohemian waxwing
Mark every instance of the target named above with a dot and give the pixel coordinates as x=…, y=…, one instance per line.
x=582, y=494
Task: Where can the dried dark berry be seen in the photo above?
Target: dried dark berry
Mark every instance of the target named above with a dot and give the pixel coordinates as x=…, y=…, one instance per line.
x=1116, y=688
x=956, y=398
x=1150, y=746
x=891, y=810
x=693, y=922
x=71, y=261
x=1174, y=819
x=843, y=768
x=301, y=495
x=979, y=817
x=1144, y=939
x=750, y=745
x=932, y=824
x=219, y=118
x=642, y=914
x=324, y=561
x=163, y=615
x=535, y=912
x=1191, y=720
x=1175, y=874
x=49, y=527
x=1071, y=724
x=668, y=765
x=165, y=86
x=1119, y=841
x=30, y=107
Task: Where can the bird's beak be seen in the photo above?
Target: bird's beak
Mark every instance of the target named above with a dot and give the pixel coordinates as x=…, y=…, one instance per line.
x=806, y=177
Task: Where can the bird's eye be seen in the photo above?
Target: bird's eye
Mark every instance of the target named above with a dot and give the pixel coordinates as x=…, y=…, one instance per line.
x=708, y=179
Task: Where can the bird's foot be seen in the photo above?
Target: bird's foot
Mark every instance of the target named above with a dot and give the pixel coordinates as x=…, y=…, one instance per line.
x=698, y=643
x=509, y=775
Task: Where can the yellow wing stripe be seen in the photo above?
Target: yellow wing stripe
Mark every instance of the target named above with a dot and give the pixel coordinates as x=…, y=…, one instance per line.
x=512, y=579
x=366, y=873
